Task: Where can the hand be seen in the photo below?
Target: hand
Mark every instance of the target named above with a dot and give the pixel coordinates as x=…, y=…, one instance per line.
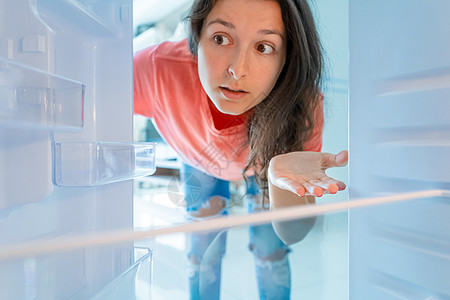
x=303, y=173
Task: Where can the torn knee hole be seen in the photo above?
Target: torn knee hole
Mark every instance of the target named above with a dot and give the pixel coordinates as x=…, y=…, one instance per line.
x=277, y=255
x=194, y=260
x=193, y=266
x=212, y=207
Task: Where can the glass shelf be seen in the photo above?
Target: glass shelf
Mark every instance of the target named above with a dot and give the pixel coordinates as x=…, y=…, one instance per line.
x=95, y=163
x=35, y=99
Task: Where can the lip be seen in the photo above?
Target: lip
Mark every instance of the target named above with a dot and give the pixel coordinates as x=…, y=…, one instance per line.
x=232, y=94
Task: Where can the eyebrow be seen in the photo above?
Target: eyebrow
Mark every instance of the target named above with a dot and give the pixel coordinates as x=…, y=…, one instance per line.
x=231, y=26
x=269, y=31
x=222, y=22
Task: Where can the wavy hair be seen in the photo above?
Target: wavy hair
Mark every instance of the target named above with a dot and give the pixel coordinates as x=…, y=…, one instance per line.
x=284, y=120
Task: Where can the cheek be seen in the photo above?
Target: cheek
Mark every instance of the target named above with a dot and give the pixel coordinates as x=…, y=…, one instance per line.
x=268, y=78
x=205, y=70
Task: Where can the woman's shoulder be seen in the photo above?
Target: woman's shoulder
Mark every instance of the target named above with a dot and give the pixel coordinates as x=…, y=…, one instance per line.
x=174, y=51
x=166, y=51
x=167, y=60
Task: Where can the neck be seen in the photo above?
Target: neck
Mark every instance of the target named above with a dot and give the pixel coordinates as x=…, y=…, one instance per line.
x=223, y=121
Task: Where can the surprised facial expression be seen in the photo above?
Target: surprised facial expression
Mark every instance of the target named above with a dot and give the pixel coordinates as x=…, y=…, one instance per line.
x=241, y=53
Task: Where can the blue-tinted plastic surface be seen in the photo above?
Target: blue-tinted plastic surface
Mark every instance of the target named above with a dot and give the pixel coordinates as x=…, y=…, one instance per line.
x=399, y=133
x=133, y=283
x=96, y=163
x=35, y=99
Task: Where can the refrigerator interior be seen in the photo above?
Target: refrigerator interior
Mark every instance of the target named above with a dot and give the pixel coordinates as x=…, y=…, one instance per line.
x=66, y=157
x=71, y=96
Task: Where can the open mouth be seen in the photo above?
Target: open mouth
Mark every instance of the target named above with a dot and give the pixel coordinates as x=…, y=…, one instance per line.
x=232, y=94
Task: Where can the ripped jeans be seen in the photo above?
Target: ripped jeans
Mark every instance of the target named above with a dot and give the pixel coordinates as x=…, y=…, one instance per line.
x=208, y=196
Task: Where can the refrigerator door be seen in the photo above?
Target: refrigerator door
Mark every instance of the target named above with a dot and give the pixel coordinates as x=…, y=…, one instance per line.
x=399, y=142
x=65, y=132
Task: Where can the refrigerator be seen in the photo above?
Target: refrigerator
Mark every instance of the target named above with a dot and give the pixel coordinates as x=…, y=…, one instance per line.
x=66, y=151
x=67, y=156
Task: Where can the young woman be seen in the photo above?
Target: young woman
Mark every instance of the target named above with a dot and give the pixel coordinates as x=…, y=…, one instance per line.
x=240, y=98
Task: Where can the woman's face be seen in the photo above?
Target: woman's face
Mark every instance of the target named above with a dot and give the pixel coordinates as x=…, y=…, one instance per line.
x=241, y=53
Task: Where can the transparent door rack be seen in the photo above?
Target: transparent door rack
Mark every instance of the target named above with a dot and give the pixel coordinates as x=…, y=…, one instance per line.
x=95, y=163
x=34, y=99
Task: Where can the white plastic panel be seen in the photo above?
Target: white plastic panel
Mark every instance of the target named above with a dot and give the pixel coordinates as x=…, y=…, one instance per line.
x=66, y=75
x=97, y=163
x=399, y=133
x=432, y=112
x=25, y=161
x=412, y=160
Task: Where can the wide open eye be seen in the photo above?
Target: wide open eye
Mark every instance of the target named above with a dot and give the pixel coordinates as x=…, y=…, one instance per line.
x=221, y=40
x=264, y=48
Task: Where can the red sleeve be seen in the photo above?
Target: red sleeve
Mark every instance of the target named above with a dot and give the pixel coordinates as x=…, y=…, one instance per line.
x=315, y=142
x=144, y=82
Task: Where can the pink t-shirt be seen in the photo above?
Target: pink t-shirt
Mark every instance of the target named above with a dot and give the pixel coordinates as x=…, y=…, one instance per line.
x=167, y=89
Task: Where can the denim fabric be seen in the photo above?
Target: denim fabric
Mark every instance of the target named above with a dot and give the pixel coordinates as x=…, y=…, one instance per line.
x=200, y=187
x=206, y=250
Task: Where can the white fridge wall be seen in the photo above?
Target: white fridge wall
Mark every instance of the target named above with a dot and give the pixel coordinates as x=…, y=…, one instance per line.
x=399, y=142
x=89, y=42
x=30, y=43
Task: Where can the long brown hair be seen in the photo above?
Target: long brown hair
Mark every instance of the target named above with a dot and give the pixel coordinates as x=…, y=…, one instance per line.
x=284, y=120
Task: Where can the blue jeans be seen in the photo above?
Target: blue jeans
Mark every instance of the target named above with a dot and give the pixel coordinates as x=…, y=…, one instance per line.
x=208, y=196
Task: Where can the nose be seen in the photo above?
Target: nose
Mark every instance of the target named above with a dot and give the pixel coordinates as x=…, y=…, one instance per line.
x=238, y=67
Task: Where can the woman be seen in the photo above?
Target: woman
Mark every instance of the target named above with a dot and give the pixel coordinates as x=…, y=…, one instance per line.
x=241, y=98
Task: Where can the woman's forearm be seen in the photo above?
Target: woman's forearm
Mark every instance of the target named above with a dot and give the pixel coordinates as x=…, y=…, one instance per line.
x=293, y=231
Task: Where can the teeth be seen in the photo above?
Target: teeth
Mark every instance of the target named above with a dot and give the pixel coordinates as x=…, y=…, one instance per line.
x=234, y=91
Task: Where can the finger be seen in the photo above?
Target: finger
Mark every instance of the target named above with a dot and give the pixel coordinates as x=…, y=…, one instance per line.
x=342, y=158
x=328, y=186
x=334, y=160
x=318, y=191
x=313, y=189
x=301, y=191
x=333, y=188
x=339, y=184
x=290, y=185
x=299, y=187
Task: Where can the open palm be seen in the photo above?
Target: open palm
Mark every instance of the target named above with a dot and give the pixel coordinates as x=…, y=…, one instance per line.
x=303, y=172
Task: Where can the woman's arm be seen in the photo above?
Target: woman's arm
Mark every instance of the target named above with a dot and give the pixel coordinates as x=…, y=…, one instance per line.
x=290, y=232
x=294, y=179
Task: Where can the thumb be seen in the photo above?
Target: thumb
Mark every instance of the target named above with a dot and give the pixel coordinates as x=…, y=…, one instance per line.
x=342, y=158
x=338, y=160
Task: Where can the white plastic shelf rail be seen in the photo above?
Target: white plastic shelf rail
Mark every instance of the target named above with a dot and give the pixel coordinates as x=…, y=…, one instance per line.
x=35, y=248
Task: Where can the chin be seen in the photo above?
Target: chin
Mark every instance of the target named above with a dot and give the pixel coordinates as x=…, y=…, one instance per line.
x=233, y=112
x=229, y=108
